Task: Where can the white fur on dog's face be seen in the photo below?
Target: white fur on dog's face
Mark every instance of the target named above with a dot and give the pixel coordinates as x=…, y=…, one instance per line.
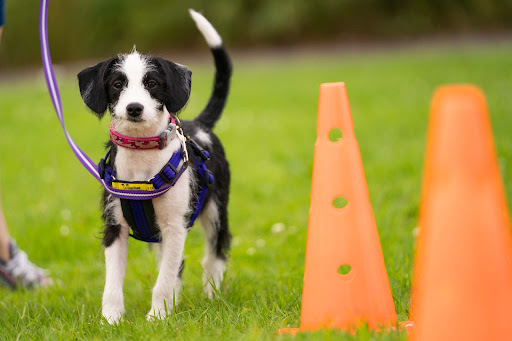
x=134, y=67
x=139, y=91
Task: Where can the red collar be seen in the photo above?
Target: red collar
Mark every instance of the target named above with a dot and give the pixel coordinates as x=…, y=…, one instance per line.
x=154, y=142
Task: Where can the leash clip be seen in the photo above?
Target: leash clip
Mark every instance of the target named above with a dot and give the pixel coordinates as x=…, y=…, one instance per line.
x=183, y=139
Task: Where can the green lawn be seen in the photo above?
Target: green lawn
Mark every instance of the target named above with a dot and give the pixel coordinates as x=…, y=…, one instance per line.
x=268, y=129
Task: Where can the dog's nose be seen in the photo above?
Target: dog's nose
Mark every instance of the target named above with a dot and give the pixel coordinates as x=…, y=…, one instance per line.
x=134, y=109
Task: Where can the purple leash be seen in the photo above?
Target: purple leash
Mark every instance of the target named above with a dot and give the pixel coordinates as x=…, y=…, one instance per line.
x=57, y=104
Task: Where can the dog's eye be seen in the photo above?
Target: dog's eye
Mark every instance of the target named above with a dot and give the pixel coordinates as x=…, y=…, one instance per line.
x=118, y=85
x=150, y=84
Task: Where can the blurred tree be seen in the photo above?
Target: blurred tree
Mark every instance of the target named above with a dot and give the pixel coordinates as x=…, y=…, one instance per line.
x=92, y=28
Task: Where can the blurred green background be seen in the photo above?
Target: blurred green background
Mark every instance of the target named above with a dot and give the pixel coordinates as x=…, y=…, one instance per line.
x=93, y=28
x=282, y=50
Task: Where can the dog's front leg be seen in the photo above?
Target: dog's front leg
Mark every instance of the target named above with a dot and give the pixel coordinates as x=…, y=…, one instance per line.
x=115, y=259
x=168, y=283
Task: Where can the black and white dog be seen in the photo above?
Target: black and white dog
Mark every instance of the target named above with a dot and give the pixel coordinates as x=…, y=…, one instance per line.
x=140, y=92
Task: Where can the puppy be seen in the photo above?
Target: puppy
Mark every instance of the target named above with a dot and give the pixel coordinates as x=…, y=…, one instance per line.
x=141, y=92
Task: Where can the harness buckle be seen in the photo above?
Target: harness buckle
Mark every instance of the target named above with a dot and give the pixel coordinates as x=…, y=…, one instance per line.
x=165, y=178
x=203, y=154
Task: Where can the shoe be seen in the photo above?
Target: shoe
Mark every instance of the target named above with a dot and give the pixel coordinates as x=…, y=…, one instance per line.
x=19, y=271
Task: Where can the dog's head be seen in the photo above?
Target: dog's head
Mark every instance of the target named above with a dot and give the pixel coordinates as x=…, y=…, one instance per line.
x=138, y=90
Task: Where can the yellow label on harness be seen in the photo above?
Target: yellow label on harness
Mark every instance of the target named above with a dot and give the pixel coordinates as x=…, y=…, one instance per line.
x=133, y=186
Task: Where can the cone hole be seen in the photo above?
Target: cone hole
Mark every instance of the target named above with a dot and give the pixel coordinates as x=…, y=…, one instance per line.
x=344, y=269
x=335, y=134
x=339, y=202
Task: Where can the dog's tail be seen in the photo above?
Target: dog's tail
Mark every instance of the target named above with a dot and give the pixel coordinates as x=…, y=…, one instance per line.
x=213, y=109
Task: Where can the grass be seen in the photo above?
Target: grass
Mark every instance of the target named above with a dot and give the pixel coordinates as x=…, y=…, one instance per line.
x=268, y=129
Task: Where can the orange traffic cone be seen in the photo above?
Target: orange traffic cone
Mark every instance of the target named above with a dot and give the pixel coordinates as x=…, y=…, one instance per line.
x=345, y=281
x=462, y=288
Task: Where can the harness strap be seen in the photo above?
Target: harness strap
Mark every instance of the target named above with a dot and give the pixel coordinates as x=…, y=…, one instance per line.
x=169, y=174
x=199, y=205
x=200, y=156
x=140, y=215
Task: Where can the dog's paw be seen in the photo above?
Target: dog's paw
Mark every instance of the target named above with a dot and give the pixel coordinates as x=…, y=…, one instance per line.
x=209, y=289
x=212, y=276
x=156, y=314
x=113, y=316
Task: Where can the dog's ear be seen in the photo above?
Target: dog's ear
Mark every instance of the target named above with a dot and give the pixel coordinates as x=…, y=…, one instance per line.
x=92, y=86
x=179, y=83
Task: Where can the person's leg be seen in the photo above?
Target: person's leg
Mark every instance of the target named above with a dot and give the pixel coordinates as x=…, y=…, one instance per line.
x=2, y=16
x=4, y=235
x=15, y=267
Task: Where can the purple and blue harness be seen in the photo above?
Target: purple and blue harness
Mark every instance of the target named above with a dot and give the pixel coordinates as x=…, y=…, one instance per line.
x=140, y=214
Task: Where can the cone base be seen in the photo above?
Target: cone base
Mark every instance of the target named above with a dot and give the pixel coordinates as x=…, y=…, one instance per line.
x=408, y=326
x=288, y=331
